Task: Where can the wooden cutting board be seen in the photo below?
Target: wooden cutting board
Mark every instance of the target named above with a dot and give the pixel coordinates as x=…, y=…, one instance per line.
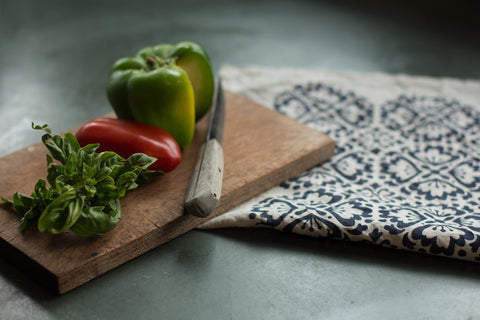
x=262, y=148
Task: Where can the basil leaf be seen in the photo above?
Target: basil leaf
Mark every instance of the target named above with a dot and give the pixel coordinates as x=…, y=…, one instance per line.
x=54, y=144
x=87, y=171
x=107, y=184
x=126, y=180
x=96, y=221
x=102, y=173
x=71, y=143
x=21, y=200
x=61, y=213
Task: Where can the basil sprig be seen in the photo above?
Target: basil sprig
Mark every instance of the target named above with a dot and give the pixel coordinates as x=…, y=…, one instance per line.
x=84, y=187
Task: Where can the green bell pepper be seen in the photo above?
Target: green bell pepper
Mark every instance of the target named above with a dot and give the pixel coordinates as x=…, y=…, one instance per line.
x=168, y=86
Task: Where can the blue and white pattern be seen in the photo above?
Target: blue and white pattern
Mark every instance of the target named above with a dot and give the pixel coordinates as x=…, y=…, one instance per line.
x=406, y=173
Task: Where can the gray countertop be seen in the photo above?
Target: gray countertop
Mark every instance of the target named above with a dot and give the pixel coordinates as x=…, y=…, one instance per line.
x=54, y=60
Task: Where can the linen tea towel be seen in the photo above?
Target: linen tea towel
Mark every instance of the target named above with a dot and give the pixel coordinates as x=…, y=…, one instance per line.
x=406, y=170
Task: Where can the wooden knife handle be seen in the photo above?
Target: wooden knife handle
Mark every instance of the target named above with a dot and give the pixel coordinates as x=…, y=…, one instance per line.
x=205, y=186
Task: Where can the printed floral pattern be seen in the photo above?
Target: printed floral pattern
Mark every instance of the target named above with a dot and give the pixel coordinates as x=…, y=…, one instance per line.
x=406, y=174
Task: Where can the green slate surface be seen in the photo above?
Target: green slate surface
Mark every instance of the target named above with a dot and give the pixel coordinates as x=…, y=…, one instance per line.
x=54, y=61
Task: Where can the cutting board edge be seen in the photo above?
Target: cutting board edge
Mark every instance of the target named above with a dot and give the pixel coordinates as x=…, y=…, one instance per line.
x=122, y=255
x=29, y=266
x=278, y=176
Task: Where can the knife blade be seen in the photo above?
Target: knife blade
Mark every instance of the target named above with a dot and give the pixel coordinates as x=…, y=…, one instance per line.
x=205, y=187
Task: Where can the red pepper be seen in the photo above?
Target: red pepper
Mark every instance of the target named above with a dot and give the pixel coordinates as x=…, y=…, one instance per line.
x=126, y=137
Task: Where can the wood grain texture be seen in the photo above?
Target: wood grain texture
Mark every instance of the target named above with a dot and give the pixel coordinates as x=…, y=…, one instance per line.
x=262, y=148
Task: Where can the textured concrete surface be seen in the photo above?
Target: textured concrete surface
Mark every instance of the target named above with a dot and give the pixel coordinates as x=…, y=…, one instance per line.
x=54, y=60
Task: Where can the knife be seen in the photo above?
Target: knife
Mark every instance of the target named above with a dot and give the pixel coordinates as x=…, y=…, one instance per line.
x=205, y=187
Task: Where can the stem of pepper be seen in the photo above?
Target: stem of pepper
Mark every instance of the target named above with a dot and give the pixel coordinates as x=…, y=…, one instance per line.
x=152, y=63
x=155, y=62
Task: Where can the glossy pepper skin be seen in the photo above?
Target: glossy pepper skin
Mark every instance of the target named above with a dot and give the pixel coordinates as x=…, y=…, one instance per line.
x=168, y=86
x=126, y=137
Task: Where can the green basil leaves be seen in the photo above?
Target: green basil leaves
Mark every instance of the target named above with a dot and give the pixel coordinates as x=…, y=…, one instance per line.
x=83, y=189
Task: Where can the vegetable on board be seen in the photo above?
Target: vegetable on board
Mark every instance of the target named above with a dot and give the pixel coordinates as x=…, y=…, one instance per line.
x=127, y=137
x=84, y=187
x=168, y=86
